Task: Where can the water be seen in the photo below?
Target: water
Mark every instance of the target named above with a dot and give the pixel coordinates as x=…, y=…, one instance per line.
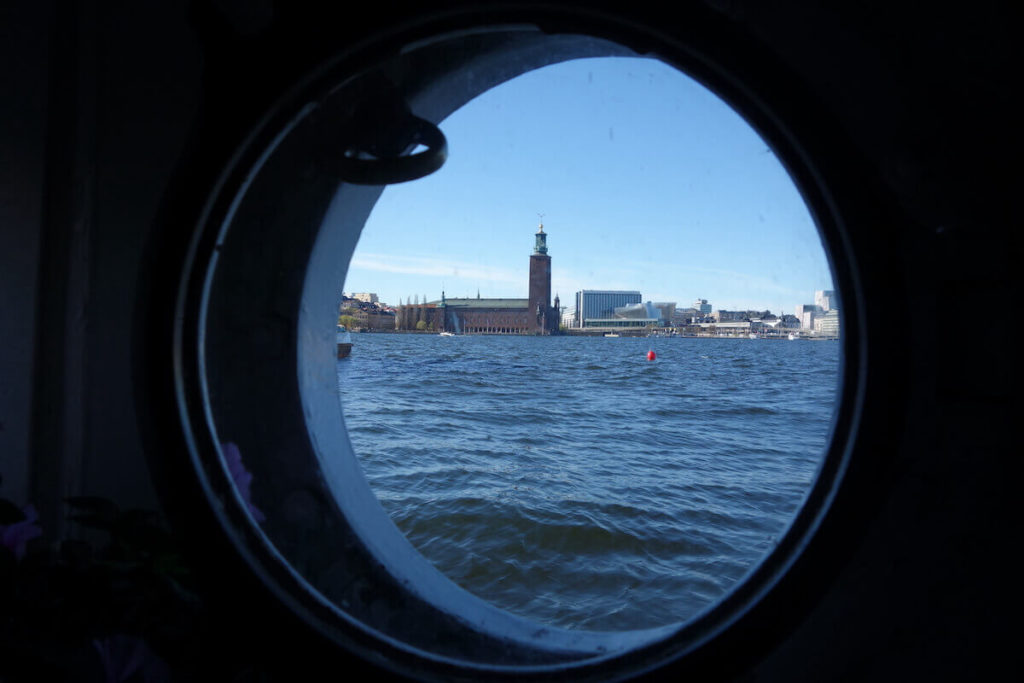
x=571, y=481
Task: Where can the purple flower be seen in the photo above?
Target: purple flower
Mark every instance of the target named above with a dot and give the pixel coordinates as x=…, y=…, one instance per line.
x=241, y=476
x=15, y=536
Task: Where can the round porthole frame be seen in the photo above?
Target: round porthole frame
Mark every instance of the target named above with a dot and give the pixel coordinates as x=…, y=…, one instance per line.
x=696, y=645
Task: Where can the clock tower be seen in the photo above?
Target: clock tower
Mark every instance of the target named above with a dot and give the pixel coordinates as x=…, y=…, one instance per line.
x=542, y=319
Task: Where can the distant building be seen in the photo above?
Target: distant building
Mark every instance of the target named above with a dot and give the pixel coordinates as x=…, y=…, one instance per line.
x=594, y=305
x=806, y=314
x=736, y=328
x=542, y=319
x=375, y=319
x=826, y=300
x=739, y=316
x=569, y=318
x=650, y=313
x=485, y=316
x=821, y=317
x=366, y=297
x=789, y=321
x=637, y=315
x=367, y=315
x=828, y=324
x=685, y=316
x=643, y=310
x=702, y=307
x=533, y=315
x=728, y=316
x=666, y=311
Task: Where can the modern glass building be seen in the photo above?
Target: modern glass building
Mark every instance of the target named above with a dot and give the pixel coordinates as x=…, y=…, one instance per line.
x=599, y=304
x=826, y=300
x=828, y=324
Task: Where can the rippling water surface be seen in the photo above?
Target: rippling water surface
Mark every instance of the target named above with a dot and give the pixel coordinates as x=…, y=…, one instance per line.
x=572, y=481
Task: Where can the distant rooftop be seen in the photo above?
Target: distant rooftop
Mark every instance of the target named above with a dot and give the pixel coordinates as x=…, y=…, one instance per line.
x=484, y=303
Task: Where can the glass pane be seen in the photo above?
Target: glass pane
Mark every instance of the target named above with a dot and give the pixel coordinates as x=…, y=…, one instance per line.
x=624, y=460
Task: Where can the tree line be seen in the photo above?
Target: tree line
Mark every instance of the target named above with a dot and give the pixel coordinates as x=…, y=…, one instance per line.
x=414, y=315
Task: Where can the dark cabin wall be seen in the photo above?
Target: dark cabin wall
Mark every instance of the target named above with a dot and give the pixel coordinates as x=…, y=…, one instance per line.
x=98, y=99
x=24, y=54
x=149, y=70
x=925, y=95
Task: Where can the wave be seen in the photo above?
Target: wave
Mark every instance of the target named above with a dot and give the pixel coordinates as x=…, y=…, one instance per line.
x=573, y=482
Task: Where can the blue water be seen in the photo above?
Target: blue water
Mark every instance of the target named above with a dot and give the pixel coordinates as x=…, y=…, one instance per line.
x=571, y=481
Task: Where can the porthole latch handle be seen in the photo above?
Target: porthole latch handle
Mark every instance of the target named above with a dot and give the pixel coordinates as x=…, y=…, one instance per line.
x=379, y=143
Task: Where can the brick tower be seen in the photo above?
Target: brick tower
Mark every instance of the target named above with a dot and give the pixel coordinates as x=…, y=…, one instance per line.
x=542, y=320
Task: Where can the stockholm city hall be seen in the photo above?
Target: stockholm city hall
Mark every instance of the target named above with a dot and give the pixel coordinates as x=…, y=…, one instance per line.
x=534, y=315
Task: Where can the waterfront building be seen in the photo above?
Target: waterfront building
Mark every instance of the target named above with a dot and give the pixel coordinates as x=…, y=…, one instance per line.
x=637, y=311
x=685, y=316
x=375, y=319
x=485, y=316
x=367, y=315
x=702, y=307
x=790, y=322
x=666, y=311
x=827, y=325
x=659, y=314
x=728, y=316
x=532, y=315
x=806, y=314
x=737, y=328
x=807, y=318
x=630, y=315
x=821, y=317
x=569, y=318
x=595, y=323
x=594, y=305
x=542, y=320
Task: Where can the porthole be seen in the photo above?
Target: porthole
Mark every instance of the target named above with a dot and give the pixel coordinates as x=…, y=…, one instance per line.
x=256, y=361
x=553, y=469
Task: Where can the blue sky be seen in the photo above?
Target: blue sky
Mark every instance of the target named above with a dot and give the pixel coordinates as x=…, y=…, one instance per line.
x=647, y=181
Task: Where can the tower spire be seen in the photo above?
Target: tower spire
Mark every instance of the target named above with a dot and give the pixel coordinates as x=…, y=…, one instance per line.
x=541, y=244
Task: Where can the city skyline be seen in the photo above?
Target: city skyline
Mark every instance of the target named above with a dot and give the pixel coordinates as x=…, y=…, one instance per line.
x=644, y=181
x=418, y=299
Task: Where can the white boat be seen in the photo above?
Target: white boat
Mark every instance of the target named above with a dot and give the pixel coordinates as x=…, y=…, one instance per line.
x=793, y=337
x=610, y=334
x=446, y=334
x=344, y=341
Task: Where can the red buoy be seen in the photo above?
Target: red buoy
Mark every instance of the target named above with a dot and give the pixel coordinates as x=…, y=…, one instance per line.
x=651, y=355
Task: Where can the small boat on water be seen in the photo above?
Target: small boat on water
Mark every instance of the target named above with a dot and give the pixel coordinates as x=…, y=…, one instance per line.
x=344, y=341
x=610, y=334
x=793, y=337
x=446, y=334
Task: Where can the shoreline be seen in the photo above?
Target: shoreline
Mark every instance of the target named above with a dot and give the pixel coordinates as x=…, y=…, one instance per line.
x=621, y=334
